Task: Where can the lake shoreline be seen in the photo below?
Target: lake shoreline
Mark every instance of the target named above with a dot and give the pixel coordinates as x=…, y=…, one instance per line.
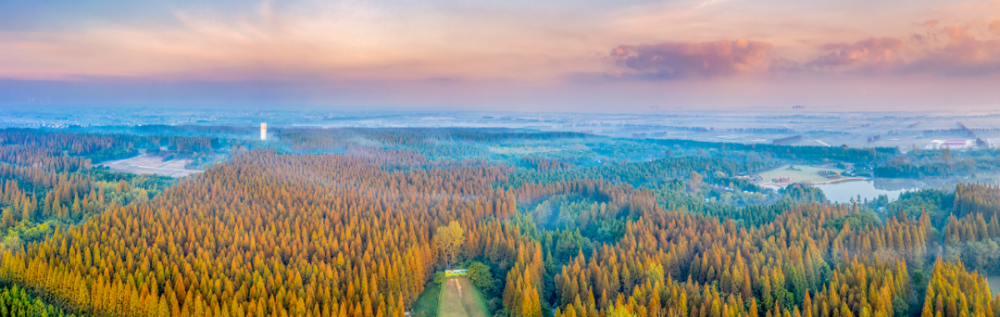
x=847, y=190
x=829, y=182
x=837, y=181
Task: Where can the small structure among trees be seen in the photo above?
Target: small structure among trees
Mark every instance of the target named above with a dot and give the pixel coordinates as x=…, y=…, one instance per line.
x=459, y=272
x=829, y=174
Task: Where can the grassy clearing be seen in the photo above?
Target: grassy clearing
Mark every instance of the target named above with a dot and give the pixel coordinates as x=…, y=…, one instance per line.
x=460, y=299
x=427, y=304
x=804, y=174
x=148, y=164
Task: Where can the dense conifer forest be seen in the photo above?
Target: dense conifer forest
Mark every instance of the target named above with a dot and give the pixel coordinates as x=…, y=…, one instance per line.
x=360, y=222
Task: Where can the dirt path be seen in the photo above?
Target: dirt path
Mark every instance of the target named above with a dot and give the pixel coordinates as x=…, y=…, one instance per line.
x=454, y=303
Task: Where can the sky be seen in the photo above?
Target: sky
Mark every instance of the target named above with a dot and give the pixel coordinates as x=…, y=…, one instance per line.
x=559, y=55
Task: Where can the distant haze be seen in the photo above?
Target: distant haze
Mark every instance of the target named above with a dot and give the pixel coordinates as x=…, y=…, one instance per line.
x=556, y=55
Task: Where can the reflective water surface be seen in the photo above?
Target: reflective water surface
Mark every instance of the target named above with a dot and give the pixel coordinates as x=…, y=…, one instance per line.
x=843, y=192
x=994, y=284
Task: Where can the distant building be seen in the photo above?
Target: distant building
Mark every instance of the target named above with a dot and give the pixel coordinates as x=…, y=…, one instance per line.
x=829, y=174
x=956, y=144
x=263, y=131
x=460, y=272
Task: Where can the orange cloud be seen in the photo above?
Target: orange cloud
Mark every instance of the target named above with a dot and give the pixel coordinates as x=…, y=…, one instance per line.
x=995, y=27
x=672, y=60
x=962, y=55
x=869, y=54
x=965, y=48
x=956, y=32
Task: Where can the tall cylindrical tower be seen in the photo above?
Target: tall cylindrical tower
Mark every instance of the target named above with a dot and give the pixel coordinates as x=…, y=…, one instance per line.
x=263, y=131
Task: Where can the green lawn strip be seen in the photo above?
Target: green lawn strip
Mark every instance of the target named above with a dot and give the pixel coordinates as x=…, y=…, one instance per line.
x=450, y=305
x=427, y=304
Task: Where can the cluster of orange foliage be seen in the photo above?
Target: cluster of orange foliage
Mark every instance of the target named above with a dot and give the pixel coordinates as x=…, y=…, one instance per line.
x=955, y=292
x=269, y=234
x=543, y=164
x=973, y=199
x=971, y=228
x=34, y=157
x=266, y=235
x=68, y=194
x=775, y=269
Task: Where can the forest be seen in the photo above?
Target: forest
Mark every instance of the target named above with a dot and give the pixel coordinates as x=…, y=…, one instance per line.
x=363, y=222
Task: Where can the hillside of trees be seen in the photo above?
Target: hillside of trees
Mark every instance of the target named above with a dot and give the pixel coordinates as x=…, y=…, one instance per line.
x=357, y=222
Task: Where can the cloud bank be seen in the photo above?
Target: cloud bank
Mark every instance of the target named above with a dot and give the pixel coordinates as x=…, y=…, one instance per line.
x=635, y=52
x=945, y=51
x=869, y=54
x=676, y=60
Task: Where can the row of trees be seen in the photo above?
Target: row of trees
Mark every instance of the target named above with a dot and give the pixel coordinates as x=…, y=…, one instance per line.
x=65, y=151
x=953, y=292
x=791, y=265
x=14, y=301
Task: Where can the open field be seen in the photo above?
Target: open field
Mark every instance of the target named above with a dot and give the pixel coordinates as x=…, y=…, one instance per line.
x=145, y=164
x=803, y=174
x=994, y=284
x=460, y=299
x=427, y=304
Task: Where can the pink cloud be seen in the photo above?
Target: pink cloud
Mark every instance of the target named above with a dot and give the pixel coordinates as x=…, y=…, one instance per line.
x=963, y=47
x=995, y=27
x=931, y=23
x=957, y=33
x=869, y=54
x=673, y=60
x=963, y=55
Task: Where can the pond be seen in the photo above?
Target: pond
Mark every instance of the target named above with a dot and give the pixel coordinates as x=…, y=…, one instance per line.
x=994, y=284
x=843, y=192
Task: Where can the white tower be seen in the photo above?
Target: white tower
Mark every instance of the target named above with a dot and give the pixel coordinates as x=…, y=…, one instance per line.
x=263, y=131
